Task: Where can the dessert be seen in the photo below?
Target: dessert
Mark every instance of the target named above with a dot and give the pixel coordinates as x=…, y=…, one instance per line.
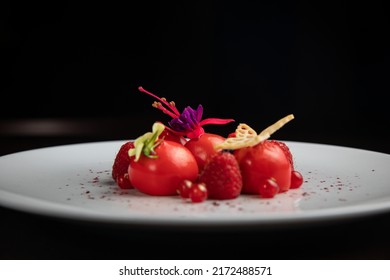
x=181, y=158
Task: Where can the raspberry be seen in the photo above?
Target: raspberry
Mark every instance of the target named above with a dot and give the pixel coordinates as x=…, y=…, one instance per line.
x=222, y=176
x=121, y=162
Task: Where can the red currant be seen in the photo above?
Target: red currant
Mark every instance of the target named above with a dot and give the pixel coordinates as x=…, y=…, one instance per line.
x=269, y=188
x=123, y=181
x=184, y=188
x=198, y=193
x=296, y=179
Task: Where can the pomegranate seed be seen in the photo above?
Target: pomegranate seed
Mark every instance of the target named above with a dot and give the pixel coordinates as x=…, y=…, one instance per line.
x=269, y=189
x=296, y=179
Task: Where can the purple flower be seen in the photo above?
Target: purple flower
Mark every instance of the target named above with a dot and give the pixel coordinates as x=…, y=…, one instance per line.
x=189, y=122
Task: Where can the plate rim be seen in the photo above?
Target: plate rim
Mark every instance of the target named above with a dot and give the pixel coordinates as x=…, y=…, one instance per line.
x=314, y=215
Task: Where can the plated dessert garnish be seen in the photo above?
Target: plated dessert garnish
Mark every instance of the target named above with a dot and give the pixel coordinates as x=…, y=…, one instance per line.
x=183, y=159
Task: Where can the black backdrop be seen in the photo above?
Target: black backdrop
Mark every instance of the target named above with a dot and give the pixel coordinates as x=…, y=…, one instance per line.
x=254, y=61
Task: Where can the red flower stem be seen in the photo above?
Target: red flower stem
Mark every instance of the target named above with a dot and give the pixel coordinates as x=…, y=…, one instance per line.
x=173, y=108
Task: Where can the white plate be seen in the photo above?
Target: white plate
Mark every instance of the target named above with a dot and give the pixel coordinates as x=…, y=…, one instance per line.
x=74, y=182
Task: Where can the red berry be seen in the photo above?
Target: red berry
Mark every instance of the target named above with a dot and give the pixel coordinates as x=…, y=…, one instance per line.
x=222, y=176
x=198, y=193
x=122, y=160
x=261, y=162
x=269, y=188
x=286, y=151
x=123, y=181
x=204, y=147
x=296, y=179
x=185, y=188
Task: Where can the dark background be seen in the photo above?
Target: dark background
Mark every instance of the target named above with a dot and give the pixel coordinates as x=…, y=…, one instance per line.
x=254, y=61
x=70, y=73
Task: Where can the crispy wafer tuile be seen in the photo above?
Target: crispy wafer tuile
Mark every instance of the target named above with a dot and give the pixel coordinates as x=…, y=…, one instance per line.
x=246, y=136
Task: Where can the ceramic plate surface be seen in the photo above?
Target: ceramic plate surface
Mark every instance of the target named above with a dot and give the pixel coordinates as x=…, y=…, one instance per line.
x=74, y=181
